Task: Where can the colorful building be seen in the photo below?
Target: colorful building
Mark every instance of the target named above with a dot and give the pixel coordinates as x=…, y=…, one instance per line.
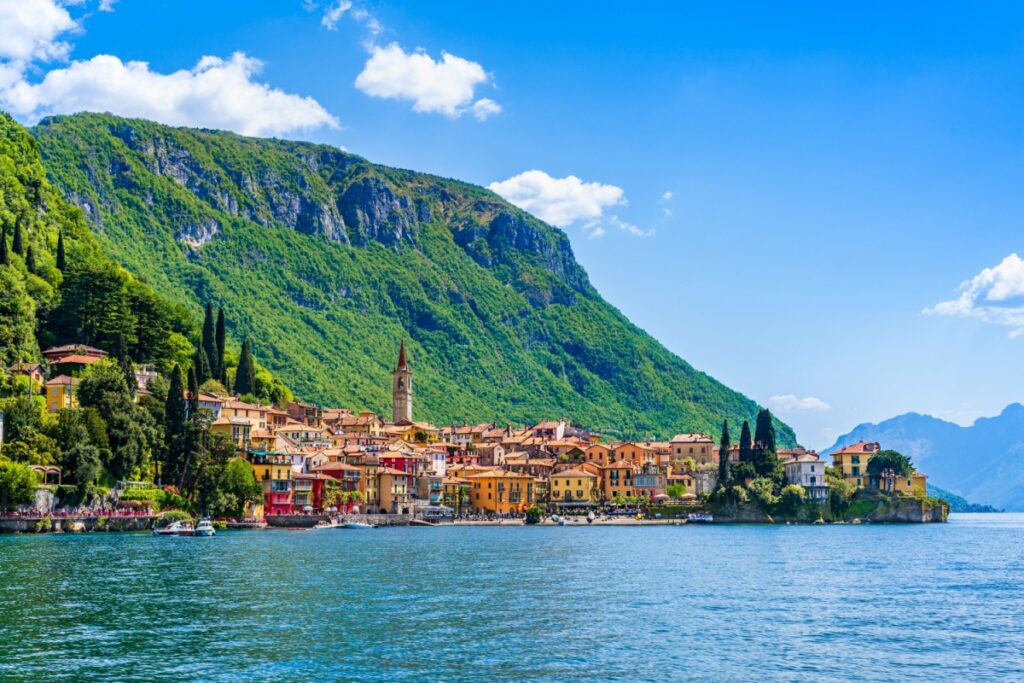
x=274, y=472
x=61, y=393
x=573, y=487
x=852, y=461
x=501, y=492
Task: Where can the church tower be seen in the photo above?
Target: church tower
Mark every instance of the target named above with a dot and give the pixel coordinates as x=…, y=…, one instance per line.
x=401, y=389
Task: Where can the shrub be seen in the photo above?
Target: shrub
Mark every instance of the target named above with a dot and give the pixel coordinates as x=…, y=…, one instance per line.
x=174, y=516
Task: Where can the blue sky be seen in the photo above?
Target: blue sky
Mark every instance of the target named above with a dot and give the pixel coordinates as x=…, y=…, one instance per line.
x=789, y=196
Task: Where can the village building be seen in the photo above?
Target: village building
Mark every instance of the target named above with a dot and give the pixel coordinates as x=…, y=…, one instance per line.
x=61, y=393
x=574, y=488
x=807, y=469
x=501, y=492
x=698, y=447
x=401, y=389
x=852, y=461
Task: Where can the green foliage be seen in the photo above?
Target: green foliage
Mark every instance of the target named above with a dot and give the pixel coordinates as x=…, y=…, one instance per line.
x=18, y=484
x=500, y=317
x=172, y=516
x=723, y=454
x=762, y=492
x=746, y=444
x=791, y=499
x=675, y=491
x=245, y=376
x=888, y=460
x=238, y=483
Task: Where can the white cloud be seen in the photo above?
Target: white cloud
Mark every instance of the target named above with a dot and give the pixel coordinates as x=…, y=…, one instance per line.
x=629, y=227
x=666, y=195
x=216, y=93
x=995, y=295
x=334, y=13
x=559, y=201
x=446, y=86
x=484, y=108
x=107, y=5
x=791, y=403
x=29, y=30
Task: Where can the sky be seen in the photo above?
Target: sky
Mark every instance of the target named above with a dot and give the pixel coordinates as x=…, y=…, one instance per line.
x=818, y=205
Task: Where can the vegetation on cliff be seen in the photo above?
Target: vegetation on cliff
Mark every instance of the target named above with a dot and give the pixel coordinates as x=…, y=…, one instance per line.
x=324, y=260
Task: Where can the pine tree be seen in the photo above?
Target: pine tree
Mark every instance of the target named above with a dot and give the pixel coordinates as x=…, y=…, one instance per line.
x=30, y=260
x=193, y=393
x=746, y=451
x=5, y=258
x=723, y=455
x=222, y=370
x=18, y=244
x=245, y=378
x=201, y=364
x=128, y=371
x=61, y=258
x=209, y=345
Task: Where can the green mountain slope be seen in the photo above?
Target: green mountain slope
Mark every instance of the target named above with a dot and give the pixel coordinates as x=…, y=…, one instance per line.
x=326, y=260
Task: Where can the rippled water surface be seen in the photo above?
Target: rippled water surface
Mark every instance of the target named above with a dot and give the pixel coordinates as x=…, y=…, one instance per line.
x=869, y=603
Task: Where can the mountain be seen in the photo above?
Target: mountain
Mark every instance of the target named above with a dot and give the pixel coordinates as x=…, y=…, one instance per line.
x=325, y=261
x=958, y=503
x=983, y=463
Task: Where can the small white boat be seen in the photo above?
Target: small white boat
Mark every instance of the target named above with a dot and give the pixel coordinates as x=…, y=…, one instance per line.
x=175, y=529
x=357, y=525
x=700, y=518
x=204, y=528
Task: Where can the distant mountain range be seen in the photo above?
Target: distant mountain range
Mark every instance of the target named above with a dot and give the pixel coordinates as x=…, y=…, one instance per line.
x=983, y=463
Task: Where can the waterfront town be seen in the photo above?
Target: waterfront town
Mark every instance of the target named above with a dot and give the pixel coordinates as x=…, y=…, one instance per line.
x=314, y=460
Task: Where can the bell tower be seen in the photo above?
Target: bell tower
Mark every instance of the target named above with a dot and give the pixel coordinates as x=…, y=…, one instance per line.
x=401, y=389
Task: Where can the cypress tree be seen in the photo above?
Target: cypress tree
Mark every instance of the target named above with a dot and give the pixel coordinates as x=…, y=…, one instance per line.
x=245, y=378
x=175, y=425
x=222, y=371
x=61, y=258
x=766, y=461
x=128, y=371
x=30, y=260
x=723, y=454
x=209, y=345
x=746, y=452
x=201, y=365
x=18, y=244
x=5, y=258
x=193, y=393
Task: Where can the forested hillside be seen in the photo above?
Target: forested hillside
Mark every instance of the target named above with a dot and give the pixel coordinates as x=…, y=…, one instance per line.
x=325, y=261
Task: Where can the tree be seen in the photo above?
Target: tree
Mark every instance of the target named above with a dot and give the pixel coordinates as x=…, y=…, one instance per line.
x=723, y=454
x=209, y=346
x=175, y=421
x=5, y=258
x=201, y=365
x=221, y=337
x=762, y=490
x=193, y=393
x=18, y=484
x=82, y=464
x=765, y=458
x=17, y=319
x=675, y=491
x=131, y=430
x=61, y=257
x=239, y=481
x=94, y=308
x=746, y=451
x=791, y=499
x=888, y=461
x=30, y=260
x=245, y=377
x=18, y=243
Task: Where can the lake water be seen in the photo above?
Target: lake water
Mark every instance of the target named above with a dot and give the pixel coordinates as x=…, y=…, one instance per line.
x=718, y=603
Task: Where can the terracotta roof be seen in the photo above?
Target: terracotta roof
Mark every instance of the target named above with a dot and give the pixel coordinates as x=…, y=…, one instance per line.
x=859, y=448
x=75, y=358
x=393, y=472
x=574, y=473
x=691, y=438
x=62, y=380
x=501, y=474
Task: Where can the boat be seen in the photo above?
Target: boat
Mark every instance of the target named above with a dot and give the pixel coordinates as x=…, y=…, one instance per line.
x=326, y=524
x=204, y=528
x=174, y=529
x=591, y=517
x=700, y=518
x=358, y=525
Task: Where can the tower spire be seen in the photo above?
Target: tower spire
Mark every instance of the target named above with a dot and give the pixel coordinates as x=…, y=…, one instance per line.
x=401, y=357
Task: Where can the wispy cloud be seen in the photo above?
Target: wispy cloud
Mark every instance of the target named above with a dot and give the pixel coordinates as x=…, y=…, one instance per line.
x=791, y=403
x=995, y=296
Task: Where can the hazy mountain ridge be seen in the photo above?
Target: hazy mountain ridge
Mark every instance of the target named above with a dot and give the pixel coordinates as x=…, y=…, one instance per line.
x=984, y=463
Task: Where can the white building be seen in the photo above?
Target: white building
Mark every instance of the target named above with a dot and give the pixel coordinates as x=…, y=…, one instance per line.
x=808, y=470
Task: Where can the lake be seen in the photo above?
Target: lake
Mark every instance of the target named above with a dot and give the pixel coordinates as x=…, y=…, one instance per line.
x=720, y=603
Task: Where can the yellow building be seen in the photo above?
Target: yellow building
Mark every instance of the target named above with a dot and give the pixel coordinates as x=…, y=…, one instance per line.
x=916, y=484
x=617, y=479
x=697, y=447
x=60, y=393
x=274, y=472
x=394, y=491
x=573, y=486
x=501, y=492
x=852, y=461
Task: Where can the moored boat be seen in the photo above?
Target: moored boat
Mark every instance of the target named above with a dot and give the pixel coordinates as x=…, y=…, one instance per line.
x=357, y=525
x=204, y=528
x=175, y=529
x=700, y=518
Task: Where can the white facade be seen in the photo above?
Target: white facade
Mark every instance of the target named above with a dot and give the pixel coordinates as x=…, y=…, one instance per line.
x=808, y=471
